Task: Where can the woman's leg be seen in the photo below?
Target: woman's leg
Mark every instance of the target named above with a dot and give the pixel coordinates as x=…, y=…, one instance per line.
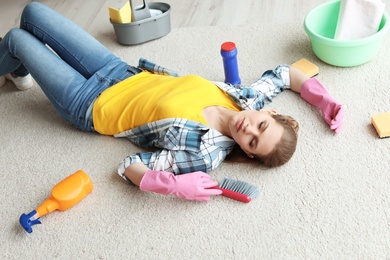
x=71, y=80
x=75, y=46
x=58, y=80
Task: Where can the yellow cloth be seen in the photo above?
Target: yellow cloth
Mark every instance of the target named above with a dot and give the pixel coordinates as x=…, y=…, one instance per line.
x=148, y=97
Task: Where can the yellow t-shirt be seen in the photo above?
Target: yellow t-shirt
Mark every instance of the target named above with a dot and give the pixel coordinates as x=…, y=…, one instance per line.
x=148, y=97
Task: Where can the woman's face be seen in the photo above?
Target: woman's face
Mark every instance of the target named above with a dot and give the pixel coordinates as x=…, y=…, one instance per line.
x=256, y=132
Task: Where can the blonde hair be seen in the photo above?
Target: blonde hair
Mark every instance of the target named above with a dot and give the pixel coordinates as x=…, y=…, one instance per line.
x=282, y=152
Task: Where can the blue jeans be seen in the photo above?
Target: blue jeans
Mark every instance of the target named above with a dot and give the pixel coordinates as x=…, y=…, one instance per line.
x=72, y=77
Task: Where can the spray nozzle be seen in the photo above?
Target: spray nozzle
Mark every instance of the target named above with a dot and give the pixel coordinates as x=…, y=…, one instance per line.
x=28, y=220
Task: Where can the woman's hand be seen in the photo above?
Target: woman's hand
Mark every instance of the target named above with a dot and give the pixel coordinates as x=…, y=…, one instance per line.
x=192, y=186
x=316, y=94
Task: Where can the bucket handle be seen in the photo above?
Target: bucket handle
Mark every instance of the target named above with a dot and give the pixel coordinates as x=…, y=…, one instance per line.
x=140, y=12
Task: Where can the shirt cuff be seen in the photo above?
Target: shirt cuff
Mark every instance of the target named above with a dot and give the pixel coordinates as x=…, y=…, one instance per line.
x=129, y=160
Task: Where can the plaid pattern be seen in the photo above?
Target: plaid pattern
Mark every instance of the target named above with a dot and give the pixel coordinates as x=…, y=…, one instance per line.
x=188, y=146
x=156, y=69
x=271, y=83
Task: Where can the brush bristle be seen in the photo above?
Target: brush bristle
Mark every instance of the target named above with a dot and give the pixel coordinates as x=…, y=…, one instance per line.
x=240, y=187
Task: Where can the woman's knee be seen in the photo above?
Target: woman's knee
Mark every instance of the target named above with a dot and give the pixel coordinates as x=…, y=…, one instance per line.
x=31, y=10
x=32, y=7
x=15, y=35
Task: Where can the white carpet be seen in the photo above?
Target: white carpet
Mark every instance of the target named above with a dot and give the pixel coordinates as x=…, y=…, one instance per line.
x=330, y=201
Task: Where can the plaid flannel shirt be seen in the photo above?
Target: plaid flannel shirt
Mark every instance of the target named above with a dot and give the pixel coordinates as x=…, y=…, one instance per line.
x=187, y=146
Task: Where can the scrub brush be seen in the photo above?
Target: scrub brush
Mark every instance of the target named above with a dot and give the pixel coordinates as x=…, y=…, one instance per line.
x=238, y=190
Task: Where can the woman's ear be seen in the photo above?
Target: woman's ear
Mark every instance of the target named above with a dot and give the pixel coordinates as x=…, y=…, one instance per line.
x=249, y=154
x=270, y=112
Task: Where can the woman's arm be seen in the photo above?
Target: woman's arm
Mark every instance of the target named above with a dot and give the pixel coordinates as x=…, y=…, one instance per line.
x=297, y=78
x=315, y=93
x=192, y=186
x=135, y=166
x=269, y=85
x=135, y=172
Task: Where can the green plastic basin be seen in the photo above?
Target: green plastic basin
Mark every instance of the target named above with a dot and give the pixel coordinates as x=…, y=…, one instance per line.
x=320, y=25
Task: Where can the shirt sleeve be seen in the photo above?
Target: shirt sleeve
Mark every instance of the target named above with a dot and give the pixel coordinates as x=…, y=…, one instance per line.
x=175, y=161
x=271, y=83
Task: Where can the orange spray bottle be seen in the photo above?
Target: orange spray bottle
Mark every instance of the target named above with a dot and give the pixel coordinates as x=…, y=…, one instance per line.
x=64, y=195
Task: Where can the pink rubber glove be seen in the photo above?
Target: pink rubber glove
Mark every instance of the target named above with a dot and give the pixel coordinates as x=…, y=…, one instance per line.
x=190, y=186
x=316, y=94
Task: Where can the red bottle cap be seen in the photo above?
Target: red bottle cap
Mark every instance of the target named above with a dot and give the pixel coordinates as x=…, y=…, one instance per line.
x=228, y=46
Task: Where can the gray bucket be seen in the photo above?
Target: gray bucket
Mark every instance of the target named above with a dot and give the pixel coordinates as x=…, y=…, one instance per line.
x=145, y=29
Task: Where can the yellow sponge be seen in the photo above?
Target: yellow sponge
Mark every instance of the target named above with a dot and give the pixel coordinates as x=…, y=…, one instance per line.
x=122, y=15
x=306, y=67
x=381, y=123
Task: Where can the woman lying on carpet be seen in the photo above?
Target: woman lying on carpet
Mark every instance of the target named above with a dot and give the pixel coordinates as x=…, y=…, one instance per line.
x=194, y=122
